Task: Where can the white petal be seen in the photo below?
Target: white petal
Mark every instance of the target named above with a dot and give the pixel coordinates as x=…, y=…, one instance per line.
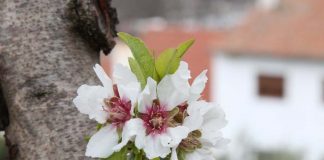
x=140, y=138
x=129, y=92
x=196, y=111
x=101, y=144
x=105, y=80
x=132, y=128
x=147, y=96
x=128, y=85
x=174, y=155
x=153, y=147
x=183, y=70
x=214, y=117
x=123, y=75
x=214, y=120
x=209, y=119
x=204, y=115
x=89, y=101
x=174, y=89
x=194, y=119
x=213, y=140
x=174, y=136
x=198, y=86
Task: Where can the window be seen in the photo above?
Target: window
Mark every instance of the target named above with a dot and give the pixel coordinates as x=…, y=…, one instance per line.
x=271, y=86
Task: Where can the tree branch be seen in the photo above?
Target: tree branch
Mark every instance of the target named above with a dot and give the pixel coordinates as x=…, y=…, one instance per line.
x=95, y=25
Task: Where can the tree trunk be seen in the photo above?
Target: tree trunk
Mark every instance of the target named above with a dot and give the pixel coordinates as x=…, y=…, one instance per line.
x=42, y=63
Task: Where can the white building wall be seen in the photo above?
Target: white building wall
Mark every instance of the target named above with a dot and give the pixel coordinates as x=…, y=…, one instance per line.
x=295, y=122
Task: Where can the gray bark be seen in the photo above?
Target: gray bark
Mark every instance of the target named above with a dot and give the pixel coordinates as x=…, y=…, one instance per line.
x=42, y=64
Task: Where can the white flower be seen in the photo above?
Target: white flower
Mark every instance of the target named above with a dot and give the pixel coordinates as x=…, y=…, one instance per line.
x=198, y=86
x=204, y=117
x=208, y=119
x=111, y=103
x=153, y=132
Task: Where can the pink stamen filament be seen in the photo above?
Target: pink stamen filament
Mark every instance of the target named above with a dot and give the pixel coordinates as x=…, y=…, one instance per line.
x=155, y=119
x=118, y=109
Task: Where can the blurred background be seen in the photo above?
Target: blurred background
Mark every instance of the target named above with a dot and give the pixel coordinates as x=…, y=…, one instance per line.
x=266, y=66
x=265, y=61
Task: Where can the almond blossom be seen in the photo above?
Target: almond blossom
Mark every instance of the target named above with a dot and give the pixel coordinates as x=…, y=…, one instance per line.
x=155, y=133
x=151, y=111
x=111, y=104
x=205, y=120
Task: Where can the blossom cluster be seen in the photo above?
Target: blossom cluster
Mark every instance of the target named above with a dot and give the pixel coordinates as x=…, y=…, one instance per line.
x=151, y=111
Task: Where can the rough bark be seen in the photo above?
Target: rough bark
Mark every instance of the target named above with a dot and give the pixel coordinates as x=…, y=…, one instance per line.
x=43, y=63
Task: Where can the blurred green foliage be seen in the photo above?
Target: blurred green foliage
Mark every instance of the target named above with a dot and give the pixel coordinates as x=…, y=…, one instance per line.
x=277, y=155
x=271, y=155
x=3, y=148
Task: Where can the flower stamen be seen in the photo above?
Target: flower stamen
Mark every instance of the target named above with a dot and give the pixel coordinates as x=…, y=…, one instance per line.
x=155, y=118
x=192, y=142
x=118, y=109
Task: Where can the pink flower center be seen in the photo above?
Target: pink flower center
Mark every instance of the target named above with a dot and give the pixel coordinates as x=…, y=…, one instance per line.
x=118, y=109
x=155, y=119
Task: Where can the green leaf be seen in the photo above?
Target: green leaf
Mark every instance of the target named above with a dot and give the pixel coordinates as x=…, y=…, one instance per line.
x=121, y=155
x=183, y=47
x=167, y=62
x=139, y=155
x=136, y=69
x=99, y=126
x=181, y=155
x=156, y=76
x=140, y=52
x=87, y=138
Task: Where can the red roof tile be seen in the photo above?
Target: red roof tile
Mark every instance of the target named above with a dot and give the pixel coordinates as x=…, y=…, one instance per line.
x=294, y=29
